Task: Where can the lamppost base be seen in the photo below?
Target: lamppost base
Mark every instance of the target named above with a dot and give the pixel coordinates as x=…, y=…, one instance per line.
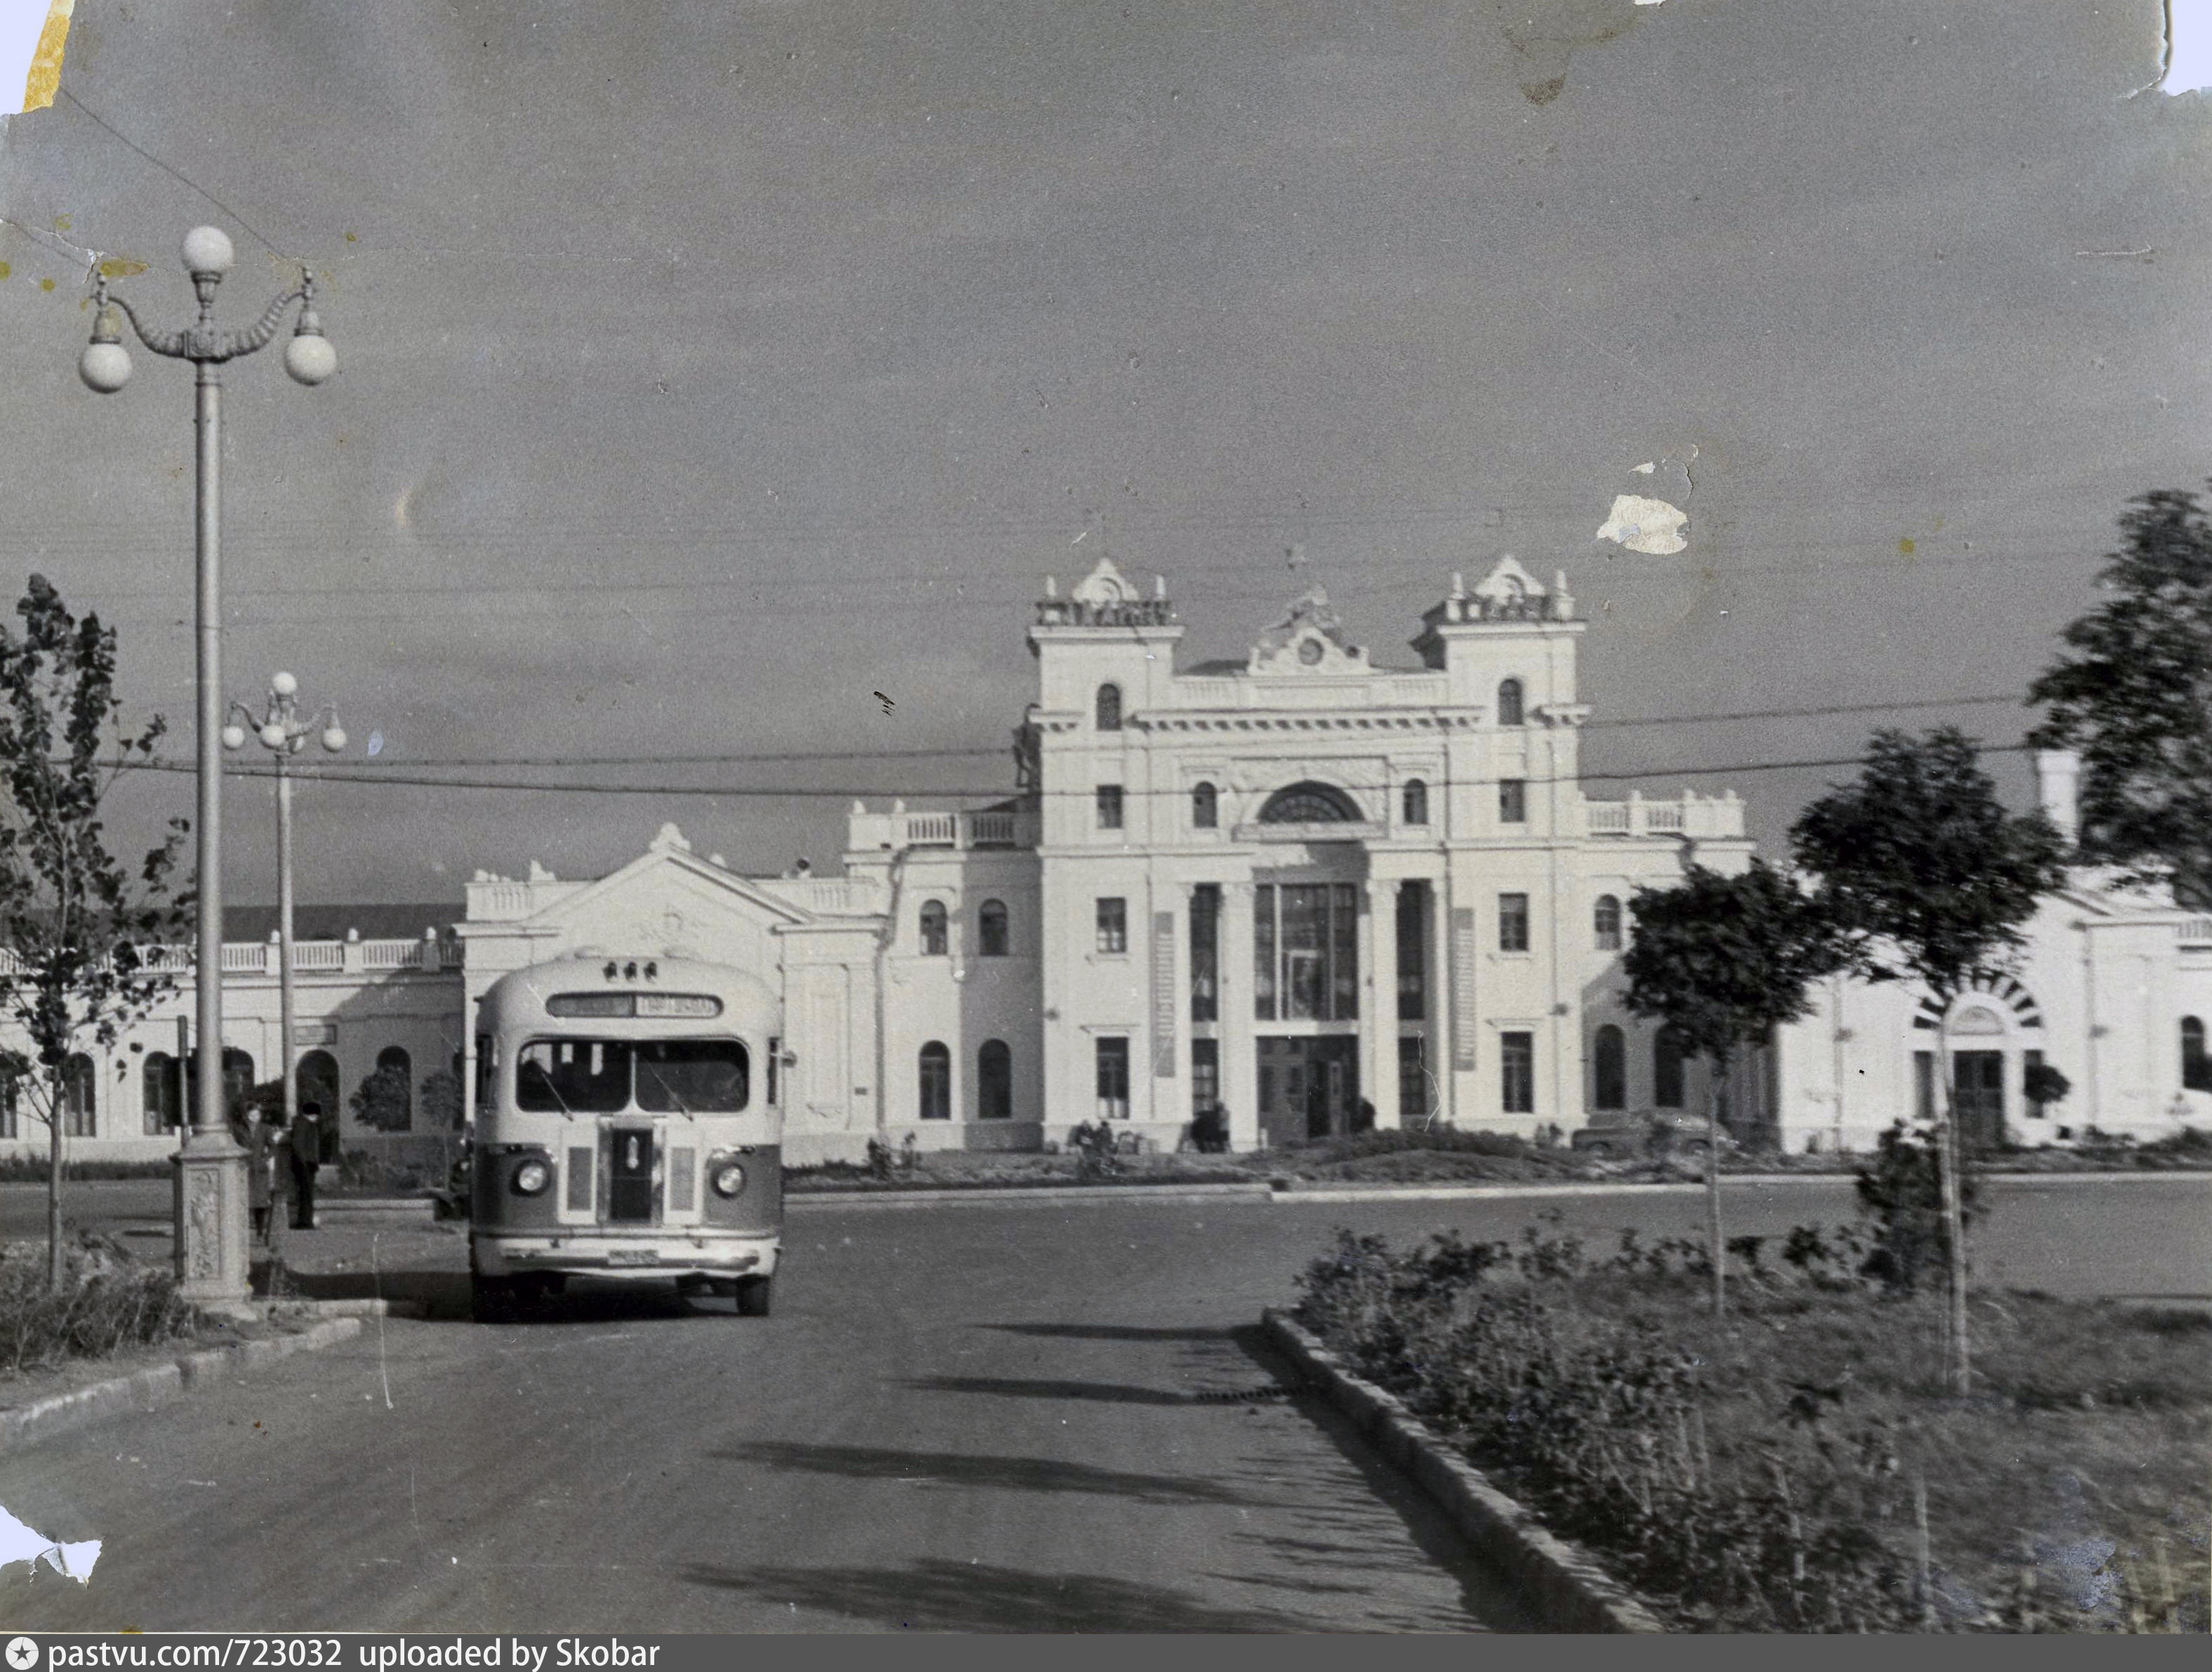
x=213, y=1254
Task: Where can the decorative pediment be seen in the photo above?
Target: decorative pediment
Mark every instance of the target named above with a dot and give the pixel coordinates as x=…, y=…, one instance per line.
x=1508, y=584
x=1309, y=640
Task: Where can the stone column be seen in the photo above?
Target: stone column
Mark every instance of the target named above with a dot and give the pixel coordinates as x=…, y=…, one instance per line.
x=1378, y=1000
x=1240, y=1079
x=1437, y=924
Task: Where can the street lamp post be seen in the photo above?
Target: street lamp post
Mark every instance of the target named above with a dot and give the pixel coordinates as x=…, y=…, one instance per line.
x=212, y=1252
x=284, y=735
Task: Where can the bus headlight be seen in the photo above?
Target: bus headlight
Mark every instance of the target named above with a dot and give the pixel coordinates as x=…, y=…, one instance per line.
x=532, y=1177
x=729, y=1179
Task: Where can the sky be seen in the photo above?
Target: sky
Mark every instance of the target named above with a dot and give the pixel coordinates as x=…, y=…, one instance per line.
x=725, y=380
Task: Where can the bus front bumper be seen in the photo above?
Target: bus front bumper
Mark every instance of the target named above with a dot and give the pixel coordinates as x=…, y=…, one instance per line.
x=679, y=1253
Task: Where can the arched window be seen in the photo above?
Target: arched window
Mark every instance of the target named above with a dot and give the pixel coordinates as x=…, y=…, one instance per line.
x=162, y=1091
x=317, y=1075
x=1109, y=708
x=936, y=1082
x=932, y=928
x=1610, y=1068
x=990, y=929
x=1205, y=808
x=1309, y=803
x=1416, y=802
x=80, y=1115
x=1606, y=921
x=994, y=1081
x=1509, y=709
x=1668, y=1052
x=2195, y=1067
x=385, y=1102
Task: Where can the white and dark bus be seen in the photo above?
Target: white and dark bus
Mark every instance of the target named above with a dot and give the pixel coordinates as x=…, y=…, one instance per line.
x=627, y=1126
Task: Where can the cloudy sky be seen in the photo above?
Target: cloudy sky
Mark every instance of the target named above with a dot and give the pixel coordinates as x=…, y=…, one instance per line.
x=711, y=373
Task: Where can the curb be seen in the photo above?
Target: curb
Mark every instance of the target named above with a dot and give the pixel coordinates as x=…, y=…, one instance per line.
x=1026, y=1195
x=161, y=1384
x=1562, y=1582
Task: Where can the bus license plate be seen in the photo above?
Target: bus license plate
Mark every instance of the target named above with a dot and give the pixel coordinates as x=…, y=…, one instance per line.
x=632, y=1256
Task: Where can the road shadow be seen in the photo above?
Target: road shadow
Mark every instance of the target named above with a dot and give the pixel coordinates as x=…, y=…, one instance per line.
x=995, y=1474
x=1106, y=1332
x=1006, y=1387
x=935, y=1595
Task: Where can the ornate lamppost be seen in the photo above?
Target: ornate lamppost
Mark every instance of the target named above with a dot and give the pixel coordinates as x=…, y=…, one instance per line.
x=284, y=735
x=212, y=1253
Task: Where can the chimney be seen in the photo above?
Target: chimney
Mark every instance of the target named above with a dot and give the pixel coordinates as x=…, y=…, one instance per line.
x=2058, y=775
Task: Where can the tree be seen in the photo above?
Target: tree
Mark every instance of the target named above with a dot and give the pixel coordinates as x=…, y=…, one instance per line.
x=1926, y=875
x=77, y=923
x=2136, y=701
x=1724, y=961
x=381, y=1102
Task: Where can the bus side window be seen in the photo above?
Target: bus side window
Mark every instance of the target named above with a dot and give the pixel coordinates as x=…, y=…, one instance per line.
x=487, y=1067
x=775, y=1077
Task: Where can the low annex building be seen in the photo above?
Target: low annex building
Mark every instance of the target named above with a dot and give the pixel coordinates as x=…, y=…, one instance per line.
x=1300, y=886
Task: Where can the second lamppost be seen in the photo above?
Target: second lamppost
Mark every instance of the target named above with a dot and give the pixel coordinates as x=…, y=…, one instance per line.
x=284, y=733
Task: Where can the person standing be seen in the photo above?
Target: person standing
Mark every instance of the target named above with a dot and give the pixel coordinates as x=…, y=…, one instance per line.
x=306, y=1155
x=253, y=1133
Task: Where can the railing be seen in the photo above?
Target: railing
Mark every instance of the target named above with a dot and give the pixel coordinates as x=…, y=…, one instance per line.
x=245, y=958
x=1380, y=691
x=1692, y=815
x=994, y=827
x=2194, y=931
x=1127, y=613
x=259, y=957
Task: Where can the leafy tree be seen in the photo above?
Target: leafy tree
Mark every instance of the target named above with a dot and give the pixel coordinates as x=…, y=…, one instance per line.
x=1904, y=1192
x=440, y=1101
x=2135, y=699
x=1724, y=961
x=75, y=921
x=1927, y=875
x=380, y=1102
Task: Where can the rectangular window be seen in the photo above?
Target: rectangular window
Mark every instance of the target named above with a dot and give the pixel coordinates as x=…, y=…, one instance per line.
x=1205, y=1074
x=2029, y=1062
x=1110, y=806
x=1263, y=952
x=1413, y=951
x=1923, y=1084
x=1513, y=801
x=1206, y=953
x=775, y=1071
x=1114, y=1078
x=1512, y=922
x=1413, y=1080
x=1305, y=947
x=1516, y=1060
x=1112, y=924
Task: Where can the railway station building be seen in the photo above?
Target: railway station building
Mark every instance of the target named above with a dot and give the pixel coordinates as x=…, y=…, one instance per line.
x=1307, y=886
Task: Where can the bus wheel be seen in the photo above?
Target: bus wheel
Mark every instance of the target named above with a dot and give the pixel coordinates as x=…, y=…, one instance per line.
x=754, y=1294
x=491, y=1300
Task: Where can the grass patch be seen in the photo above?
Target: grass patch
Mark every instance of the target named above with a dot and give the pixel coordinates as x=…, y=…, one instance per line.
x=1765, y=1473
x=109, y=1303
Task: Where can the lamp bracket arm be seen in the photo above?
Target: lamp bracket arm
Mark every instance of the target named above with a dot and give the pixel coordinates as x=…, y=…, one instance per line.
x=175, y=344
x=257, y=335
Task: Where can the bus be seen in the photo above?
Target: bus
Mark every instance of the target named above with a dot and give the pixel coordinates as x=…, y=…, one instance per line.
x=627, y=1127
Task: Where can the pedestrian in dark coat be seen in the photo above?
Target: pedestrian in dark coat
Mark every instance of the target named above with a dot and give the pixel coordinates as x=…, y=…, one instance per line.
x=306, y=1155
x=253, y=1137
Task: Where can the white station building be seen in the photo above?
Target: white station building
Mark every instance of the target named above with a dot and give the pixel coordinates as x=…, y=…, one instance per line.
x=1288, y=885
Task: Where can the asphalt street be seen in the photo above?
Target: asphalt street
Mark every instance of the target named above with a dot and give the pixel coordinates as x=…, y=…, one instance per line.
x=969, y=1417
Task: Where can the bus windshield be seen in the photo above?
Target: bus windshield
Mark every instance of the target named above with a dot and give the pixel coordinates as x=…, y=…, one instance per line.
x=606, y=1076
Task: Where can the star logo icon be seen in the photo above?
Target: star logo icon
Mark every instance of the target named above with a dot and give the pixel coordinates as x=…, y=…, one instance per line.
x=22, y=1654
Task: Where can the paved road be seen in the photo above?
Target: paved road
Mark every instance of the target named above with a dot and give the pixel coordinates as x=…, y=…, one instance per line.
x=970, y=1417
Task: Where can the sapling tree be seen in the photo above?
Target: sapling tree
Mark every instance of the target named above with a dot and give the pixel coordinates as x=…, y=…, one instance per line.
x=2135, y=697
x=1927, y=877
x=76, y=923
x=1724, y=961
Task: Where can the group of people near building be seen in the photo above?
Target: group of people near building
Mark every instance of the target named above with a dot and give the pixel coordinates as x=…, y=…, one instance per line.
x=281, y=1163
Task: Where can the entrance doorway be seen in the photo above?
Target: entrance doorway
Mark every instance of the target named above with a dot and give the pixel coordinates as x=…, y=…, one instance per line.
x=1309, y=1088
x=1979, y=1089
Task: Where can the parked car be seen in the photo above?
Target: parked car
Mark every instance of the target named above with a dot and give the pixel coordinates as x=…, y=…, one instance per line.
x=1652, y=1132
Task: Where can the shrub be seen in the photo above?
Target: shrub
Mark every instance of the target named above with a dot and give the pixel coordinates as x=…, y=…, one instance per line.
x=1901, y=1190
x=107, y=1302
x=1448, y=1141
x=2192, y=1141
